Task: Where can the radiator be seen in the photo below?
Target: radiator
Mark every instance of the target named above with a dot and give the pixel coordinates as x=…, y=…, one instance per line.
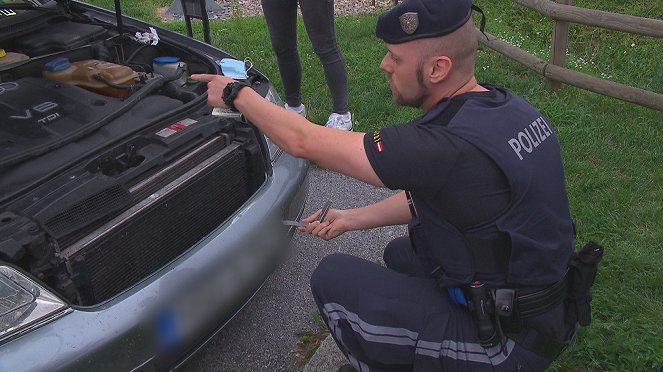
x=161, y=227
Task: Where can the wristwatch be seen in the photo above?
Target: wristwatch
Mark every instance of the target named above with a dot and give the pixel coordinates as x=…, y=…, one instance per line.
x=230, y=93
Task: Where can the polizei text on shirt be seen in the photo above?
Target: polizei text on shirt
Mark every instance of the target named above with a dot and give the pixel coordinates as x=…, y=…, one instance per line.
x=530, y=137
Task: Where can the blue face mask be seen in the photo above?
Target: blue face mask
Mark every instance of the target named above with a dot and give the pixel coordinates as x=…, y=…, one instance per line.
x=234, y=68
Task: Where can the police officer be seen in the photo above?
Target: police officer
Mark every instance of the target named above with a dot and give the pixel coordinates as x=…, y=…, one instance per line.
x=480, y=281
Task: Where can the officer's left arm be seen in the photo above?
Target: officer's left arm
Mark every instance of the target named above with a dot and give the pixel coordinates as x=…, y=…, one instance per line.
x=393, y=210
x=333, y=149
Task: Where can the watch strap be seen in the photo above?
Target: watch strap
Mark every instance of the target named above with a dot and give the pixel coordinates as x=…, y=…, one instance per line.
x=231, y=91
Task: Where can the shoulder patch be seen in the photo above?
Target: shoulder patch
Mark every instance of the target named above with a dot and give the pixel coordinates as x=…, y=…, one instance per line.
x=377, y=139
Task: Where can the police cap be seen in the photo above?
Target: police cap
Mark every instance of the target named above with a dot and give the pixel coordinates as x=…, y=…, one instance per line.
x=417, y=19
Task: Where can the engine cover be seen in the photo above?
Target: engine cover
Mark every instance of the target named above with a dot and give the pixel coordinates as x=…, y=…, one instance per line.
x=39, y=111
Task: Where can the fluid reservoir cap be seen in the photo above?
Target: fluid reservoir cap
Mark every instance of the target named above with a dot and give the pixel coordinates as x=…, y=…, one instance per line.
x=165, y=59
x=57, y=64
x=2, y=53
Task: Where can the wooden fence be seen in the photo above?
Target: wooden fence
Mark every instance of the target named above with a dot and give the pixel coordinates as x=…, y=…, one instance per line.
x=562, y=12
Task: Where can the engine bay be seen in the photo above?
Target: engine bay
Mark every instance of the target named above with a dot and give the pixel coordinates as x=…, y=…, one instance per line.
x=93, y=123
x=70, y=79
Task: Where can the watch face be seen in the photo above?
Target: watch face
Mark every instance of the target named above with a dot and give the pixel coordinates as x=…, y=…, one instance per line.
x=226, y=94
x=230, y=93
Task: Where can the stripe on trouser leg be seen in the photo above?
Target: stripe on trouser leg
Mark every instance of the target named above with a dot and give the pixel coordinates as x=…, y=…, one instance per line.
x=469, y=351
x=370, y=332
x=456, y=350
x=333, y=327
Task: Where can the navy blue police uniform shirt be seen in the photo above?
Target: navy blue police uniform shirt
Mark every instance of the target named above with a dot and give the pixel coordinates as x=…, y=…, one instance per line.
x=481, y=166
x=463, y=182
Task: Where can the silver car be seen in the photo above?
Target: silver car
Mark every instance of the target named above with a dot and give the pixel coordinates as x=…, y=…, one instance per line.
x=135, y=221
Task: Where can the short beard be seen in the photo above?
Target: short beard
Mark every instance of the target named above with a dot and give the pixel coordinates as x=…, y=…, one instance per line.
x=423, y=93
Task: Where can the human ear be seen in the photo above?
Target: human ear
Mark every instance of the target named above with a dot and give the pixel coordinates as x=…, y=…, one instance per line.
x=441, y=67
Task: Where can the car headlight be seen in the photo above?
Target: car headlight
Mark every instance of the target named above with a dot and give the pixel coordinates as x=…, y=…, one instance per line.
x=273, y=96
x=24, y=304
x=274, y=151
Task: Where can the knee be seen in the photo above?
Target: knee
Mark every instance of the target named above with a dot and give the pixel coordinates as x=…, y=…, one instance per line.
x=329, y=54
x=285, y=52
x=389, y=253
x=328, y=270
x=284, y=47
x=392, y=251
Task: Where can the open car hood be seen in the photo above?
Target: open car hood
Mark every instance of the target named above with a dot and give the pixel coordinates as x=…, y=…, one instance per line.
x=23, y=4
x=8, y=6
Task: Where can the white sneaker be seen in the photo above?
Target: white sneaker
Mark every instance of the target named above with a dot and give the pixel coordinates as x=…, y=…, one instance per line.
x=340, y=121
x=301, y=109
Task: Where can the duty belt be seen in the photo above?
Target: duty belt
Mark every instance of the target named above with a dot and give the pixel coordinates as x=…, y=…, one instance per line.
x=530, y=305
x=501, y=311
x=537, y=303
x=526, y=305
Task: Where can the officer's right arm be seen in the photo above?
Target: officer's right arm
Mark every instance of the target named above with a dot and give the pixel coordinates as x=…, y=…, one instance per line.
x=333, y=149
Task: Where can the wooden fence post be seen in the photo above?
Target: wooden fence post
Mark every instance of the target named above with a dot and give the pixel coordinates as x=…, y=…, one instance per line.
x=558, y=46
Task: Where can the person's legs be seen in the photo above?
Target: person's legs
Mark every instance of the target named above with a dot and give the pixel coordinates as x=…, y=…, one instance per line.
x=398, y=255
x=281, y=18
x=385, y=320
x=319, y=21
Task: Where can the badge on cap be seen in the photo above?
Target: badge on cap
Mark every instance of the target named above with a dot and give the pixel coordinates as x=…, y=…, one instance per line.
x=409, y=22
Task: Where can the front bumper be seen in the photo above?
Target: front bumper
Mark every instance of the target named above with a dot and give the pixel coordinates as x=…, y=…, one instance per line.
x=164, y=318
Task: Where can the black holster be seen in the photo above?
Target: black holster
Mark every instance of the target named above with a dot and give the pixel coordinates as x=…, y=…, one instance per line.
x=482, y=308
x=583, y=267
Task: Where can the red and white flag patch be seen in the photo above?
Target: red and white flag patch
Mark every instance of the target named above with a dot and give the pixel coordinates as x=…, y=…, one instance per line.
x=377, y=139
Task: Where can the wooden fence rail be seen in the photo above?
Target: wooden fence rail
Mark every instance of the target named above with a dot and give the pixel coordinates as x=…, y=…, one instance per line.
x=548, y=70
x=554, y=69
x=597, y=18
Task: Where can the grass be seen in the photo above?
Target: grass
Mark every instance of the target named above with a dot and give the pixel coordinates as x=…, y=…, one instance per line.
x=309, y=341
x=613, y=151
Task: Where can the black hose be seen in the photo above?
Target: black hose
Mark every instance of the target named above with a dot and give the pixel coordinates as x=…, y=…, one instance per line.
x=112, y=84
x=100, y=52
x=135, y=52
x=173, y=90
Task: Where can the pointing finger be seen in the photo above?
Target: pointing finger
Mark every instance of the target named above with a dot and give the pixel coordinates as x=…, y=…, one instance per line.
x=202, y=77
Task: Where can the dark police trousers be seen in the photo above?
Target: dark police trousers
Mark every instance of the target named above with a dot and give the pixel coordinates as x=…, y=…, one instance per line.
x=395, y=319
